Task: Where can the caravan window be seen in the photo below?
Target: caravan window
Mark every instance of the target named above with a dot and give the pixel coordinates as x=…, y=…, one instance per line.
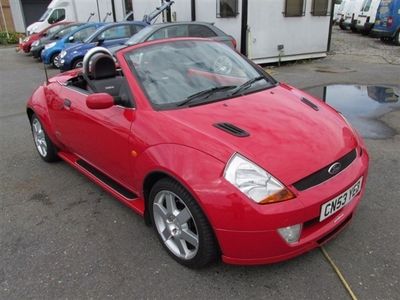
x=320, y=7
x=294, y=8
x=227, y=8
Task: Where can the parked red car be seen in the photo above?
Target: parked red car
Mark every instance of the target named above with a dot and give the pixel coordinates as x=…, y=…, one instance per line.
x=25, y=44
x=218, y=156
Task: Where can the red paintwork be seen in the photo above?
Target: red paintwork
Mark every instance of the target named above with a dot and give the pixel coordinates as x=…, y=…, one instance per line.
x=287, y=138
x=26, y=46
x=99, y=101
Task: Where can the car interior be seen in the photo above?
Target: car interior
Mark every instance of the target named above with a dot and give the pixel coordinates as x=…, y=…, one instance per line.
x=102, y=76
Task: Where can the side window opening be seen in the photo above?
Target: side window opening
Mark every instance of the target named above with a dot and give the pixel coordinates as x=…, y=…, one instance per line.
x=320, y=8
x=227, y=8
x=294, y=8
x=200, y=31
x=57, y=15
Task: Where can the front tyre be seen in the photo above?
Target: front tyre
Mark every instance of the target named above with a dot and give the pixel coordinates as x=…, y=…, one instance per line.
x=78, y=63
x=181, y=225
x=44, y=146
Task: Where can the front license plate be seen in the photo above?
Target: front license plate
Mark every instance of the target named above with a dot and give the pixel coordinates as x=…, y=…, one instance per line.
x=332, y=206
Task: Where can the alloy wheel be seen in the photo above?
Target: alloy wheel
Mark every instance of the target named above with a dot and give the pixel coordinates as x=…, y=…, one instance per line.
x=175, y=225
x=39, y=137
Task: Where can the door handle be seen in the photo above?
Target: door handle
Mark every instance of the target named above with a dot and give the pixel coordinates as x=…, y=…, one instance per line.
x=67, y=103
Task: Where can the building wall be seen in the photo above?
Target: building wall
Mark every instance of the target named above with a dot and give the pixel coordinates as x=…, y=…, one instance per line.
x=5, y=4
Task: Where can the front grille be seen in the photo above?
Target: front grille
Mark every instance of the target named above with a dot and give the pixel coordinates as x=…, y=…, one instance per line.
x=323, y=174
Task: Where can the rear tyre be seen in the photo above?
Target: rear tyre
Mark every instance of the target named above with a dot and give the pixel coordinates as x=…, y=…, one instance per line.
x=44, y=146
x=396, y=39
x=180, y=225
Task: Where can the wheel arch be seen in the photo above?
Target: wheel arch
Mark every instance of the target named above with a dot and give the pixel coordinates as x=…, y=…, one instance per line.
x=75, y=59
x=37, y=105
x=196, y=171
x=151, y=179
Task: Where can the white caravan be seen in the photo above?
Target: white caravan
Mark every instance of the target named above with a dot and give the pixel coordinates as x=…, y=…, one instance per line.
x=367, y=16
x=265, y=30
x=79, y=11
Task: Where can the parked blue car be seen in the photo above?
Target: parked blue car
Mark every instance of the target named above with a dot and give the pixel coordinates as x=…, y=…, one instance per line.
x=109, y=35
x=387, y=24
x=52, y=50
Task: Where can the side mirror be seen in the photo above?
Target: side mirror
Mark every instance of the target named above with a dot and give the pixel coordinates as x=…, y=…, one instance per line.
x=100, y=41
x=71, y=39
x=100, y=101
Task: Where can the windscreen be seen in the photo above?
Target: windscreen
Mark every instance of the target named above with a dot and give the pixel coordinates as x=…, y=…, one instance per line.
x=45, y=15
x=171, y=72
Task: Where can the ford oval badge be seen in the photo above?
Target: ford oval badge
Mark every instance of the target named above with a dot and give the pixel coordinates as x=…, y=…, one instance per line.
x=335, y=168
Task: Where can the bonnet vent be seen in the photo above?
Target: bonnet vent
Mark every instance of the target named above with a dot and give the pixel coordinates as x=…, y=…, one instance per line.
x=232, y=129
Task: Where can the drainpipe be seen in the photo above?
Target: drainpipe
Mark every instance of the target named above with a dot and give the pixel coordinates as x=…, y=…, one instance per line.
x=4, y=20
x=169, y=18
x=98, y=10
x=330, y=26
x=113, y=10
x=193, y=9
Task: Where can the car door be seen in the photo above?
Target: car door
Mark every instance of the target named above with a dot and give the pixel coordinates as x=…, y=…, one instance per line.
x=99, y=137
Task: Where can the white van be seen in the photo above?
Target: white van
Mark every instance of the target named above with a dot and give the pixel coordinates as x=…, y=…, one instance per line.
x=367, y=16
x=79, y=11
x=344, y=6
x=350, y=14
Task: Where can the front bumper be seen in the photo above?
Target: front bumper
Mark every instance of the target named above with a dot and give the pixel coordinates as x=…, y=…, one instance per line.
x=366, y=27
x=26, y=47
x=37, y=51
x=251, y=247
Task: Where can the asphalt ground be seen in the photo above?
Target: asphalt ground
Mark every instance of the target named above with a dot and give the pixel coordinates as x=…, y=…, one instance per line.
x=63, y=237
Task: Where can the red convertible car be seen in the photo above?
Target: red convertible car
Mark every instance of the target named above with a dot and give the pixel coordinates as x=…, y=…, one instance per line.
x=221, y=159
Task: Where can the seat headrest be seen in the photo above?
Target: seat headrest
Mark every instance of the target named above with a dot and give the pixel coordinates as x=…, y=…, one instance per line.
x=102, y=66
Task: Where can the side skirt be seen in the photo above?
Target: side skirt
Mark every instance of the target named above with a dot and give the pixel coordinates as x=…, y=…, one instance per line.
x=124, y=195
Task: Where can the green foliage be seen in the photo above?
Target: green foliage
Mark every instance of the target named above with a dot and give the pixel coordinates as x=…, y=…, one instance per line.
x=12, y=39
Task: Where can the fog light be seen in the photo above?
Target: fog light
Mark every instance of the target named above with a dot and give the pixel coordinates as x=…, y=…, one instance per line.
x=290, y=234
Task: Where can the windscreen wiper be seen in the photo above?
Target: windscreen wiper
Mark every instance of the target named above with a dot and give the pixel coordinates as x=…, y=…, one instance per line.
x=205, y=94
x=247, y=84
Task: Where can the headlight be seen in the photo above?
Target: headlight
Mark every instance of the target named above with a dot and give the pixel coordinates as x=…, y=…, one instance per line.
x=50, y=45
x=63, y=53
x=35, y=43
x=255, y=182
x=26, y=39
